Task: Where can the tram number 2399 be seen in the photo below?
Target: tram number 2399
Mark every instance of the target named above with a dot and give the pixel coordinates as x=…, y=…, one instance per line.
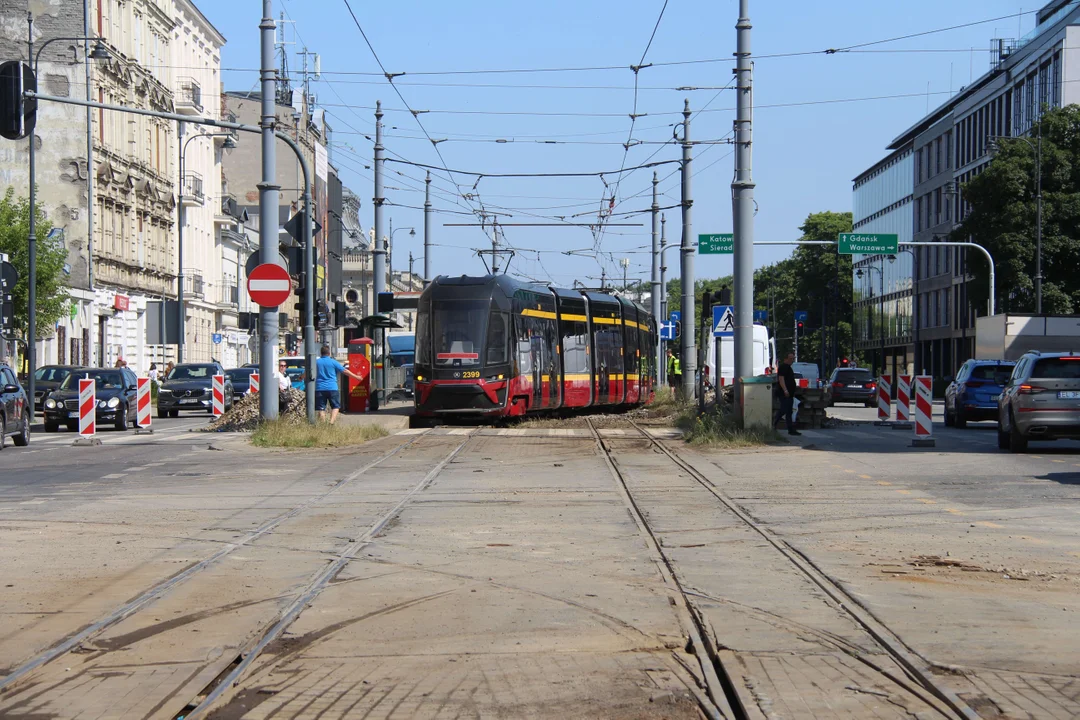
x=470, y=375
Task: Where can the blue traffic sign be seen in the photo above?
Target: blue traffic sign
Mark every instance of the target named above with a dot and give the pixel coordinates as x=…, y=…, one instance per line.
x=801, y=315
x=216, y=337
x=667, y=331
x=723, y=320
x=761, y=316
x=676, y=316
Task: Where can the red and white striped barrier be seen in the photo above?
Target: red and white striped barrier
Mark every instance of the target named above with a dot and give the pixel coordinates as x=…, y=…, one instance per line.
x=903, y=399
x=219, y=395
x=87, y=408
x=884, y=398
x=924, y=408
x=142, y=403
x=253, y=383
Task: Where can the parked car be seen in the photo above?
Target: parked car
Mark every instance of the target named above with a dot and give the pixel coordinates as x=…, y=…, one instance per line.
x=115, y=391
x=852, y=385
x=190, y=387
x=294, y=370
x=1041, y=401
x=241, y=380
x=47, y=379
x=974, y=394
x=14, y=409
x=807, y=371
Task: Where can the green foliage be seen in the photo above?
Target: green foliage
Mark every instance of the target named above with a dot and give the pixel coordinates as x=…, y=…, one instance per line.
x=1003, y=218
x=719, y=428
x=52, y=296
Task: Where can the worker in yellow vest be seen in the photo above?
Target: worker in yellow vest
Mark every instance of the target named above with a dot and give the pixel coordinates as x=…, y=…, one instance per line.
x=674, y=371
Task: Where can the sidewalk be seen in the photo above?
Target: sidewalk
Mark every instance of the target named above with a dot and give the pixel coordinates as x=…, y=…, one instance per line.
x=392, y=416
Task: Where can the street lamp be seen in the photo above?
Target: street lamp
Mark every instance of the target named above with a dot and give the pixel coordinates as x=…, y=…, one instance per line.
x=881, y=314
x=914, y=305
x=229, y=144
x=993, y=146
x=390, y=250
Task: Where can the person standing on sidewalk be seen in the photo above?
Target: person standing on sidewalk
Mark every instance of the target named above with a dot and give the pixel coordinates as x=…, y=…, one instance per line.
x=674, y=371
x=327, y=384
x=785, y=383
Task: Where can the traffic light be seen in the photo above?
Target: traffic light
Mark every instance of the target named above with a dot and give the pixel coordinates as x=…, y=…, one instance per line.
x=384, y=303
x=322, y=315
x=18, y=116
x=799, y=327
x=340, y=317
x=290, y=343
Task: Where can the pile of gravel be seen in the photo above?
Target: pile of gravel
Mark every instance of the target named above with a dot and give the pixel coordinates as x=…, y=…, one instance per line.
x=243, y=416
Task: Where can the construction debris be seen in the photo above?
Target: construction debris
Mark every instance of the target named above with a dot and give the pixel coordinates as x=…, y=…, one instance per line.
x=243, y=416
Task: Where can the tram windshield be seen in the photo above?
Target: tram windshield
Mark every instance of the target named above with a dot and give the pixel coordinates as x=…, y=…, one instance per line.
x=458, y=331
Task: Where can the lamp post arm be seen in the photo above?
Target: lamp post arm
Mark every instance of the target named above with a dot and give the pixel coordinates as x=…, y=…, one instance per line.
x=980, y=248
x=41, y=48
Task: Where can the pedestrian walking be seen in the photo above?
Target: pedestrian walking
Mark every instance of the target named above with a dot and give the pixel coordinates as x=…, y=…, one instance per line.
x=153, y=374
x=327, y=370
x=168, y=370
x=674, y=371
x=785, y=388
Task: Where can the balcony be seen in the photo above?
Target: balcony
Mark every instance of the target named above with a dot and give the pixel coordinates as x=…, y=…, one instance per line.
x=232, y=237
x=193, y=189
x=228, y=116
x=194, y=287
x=189, y=97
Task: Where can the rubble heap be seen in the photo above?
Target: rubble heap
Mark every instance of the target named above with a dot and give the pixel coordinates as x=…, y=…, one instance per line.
x=243, y=416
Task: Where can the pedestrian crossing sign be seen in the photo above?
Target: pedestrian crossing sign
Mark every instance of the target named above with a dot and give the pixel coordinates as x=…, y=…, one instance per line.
x=723, y=320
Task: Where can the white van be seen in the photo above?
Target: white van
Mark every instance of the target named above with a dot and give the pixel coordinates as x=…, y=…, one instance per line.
x=764, y=354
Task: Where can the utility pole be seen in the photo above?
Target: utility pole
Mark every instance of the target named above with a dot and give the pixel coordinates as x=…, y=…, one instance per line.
x=662, y=346
x=31, y=334
x=495, y=247
x=410, y=269
x=181, y=219
x=689, y=336
x=427, y=228
x=742, y=194
x=1038, y=225
x=268, y=210
x=655, y=279
x=378, y=250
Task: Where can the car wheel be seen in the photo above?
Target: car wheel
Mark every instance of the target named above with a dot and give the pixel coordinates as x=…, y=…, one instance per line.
x=121, y=419
x=1003, y=438
x=949, y=422
x=23, y=438
x=51, y=426
x=958, y=419
x=174, y=413
x=1017, y=442
x=73, y=427
x=162, y=414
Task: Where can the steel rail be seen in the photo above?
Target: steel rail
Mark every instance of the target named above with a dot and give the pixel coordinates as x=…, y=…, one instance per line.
x=202, y=703
x=719, y=691
x=160, y=589
x=912, y=663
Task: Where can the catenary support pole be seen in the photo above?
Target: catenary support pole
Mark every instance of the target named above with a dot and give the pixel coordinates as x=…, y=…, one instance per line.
x=662, y=346
x=379, y=251
x=655, y=299
x=181, y=219
x=90, y=159
x=268, y=212
x=309, y=300
x=1038, y=226
x=742, y=193
x=427, y=228
x=31, y=320
x=689, y=335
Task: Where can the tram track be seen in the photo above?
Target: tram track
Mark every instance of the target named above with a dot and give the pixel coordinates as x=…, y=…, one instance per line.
x=25, y=671
x=917, y=670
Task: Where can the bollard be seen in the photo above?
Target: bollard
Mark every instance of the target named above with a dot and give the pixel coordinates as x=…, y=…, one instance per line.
x=253, y=383
x=903, y=402
x=87, y=413
x=219, y=395
x=924, y=409
x=142, y=406
x=884, y=399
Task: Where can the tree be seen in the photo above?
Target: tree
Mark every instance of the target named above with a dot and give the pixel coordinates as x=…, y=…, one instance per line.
x=1002, y=218
x=52, y=297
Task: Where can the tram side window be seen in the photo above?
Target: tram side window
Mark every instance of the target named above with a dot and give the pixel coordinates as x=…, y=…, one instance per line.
x=423, y=339
x=608, y=339
x=575, y=342
x=631, y=349
x=497, y=339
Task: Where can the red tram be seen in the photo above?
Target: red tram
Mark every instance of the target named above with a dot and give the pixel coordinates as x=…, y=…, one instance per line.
x=492, y=346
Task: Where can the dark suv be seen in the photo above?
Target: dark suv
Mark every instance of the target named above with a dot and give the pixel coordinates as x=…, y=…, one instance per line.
x=49, y=378
x=190, y=387
x=853, y=385
x=14, y=409
x=974, y=394
x=1041, y=401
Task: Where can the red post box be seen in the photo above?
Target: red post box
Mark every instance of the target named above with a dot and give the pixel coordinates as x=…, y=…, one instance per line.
x=359, y=391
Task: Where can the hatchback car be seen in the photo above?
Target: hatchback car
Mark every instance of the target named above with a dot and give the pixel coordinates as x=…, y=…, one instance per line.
x=853, y=385
x=47, y=379
x=115, y=391
x=241, y=380
x=14, y=409
x=190, y=387
x=1041, y=401
x=973, y=395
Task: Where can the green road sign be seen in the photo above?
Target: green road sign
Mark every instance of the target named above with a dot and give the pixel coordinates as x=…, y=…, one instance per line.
x=868, y=244
x=716, y=244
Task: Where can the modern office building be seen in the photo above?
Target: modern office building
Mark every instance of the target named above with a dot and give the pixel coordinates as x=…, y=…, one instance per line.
x=951, y=145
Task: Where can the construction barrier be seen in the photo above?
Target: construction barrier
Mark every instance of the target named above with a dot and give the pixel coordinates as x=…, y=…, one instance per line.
x=924, y=408
x=884, y=398
x=219, y=395
x=142, y=403
x=87, y=408
x=903, y=399
x=253, y=383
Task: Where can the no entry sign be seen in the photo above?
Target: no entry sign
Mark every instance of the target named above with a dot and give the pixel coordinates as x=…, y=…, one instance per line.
x=269, y=285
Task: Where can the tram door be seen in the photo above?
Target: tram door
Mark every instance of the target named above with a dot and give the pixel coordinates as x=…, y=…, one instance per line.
x=536, y=353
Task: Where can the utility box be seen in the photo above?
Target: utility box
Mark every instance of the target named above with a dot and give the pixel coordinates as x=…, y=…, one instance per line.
x=358, y=392
x=756, y=401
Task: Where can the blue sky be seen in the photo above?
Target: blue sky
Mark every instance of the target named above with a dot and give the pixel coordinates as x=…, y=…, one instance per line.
x=806, y=149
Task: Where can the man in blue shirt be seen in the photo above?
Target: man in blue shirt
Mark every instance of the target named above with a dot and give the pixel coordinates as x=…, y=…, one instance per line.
x=327, y=370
